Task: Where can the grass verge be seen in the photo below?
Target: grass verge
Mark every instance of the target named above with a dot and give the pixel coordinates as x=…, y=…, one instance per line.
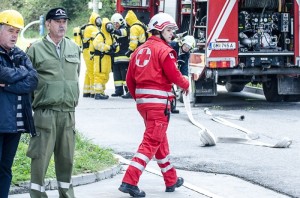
x=88, y=158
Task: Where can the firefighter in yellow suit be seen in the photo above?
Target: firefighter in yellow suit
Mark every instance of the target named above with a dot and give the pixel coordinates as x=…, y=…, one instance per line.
x=138, y=32
x=104, y=48
x=137, y=35
x=87, y=32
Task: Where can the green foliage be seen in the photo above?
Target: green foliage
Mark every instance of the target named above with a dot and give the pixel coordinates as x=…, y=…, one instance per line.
x=88, y=158
x=257, y=85
x=77, y=10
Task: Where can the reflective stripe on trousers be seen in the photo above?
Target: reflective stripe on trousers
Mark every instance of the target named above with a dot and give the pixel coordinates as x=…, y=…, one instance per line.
x=40, y=188
x=37, y=187
x=161, y=163
x=138, y=165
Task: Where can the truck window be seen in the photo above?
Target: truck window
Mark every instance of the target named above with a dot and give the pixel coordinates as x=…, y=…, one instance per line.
x=139, y=3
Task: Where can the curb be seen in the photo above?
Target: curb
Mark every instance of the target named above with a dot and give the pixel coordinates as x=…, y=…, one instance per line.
x=77, y=180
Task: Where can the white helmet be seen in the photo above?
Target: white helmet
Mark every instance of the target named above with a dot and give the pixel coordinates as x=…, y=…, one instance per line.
x=160, y=21
x=189, y=40
x=117, y=18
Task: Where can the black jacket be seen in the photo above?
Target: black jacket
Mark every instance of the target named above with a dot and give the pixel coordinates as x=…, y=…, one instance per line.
x=19, y=77
x=182, y=60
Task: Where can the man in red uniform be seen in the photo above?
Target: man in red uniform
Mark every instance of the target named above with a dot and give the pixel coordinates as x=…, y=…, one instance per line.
x=151, y=73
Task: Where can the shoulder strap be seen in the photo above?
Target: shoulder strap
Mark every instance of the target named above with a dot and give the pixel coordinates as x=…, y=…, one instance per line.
x=101, y=35
x=144, y=28
x=82, y=28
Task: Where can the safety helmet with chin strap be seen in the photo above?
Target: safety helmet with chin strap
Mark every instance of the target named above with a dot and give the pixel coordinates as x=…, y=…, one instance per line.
x=160, y=21
x=189, y=40
x=12, y=18
x=117, y=18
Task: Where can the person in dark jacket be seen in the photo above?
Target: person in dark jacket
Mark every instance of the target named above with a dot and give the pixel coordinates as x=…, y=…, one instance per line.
x=17, y=80
x=183, y=48
x=121, y=61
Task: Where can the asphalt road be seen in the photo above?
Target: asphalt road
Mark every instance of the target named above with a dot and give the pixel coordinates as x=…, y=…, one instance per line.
x=115, y=123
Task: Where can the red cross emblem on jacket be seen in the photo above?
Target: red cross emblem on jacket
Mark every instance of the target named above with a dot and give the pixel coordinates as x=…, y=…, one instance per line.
x=143, y=57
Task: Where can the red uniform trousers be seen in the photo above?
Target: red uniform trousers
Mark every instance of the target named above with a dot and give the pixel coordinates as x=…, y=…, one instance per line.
x=154, y=143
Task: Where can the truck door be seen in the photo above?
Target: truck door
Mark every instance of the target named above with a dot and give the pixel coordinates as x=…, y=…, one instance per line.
x=222, y=34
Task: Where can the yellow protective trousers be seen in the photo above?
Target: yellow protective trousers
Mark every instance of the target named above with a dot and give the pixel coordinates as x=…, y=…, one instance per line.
x=88, y=86
x=102, y=68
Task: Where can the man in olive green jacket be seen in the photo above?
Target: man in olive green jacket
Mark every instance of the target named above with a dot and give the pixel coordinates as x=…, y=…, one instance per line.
x=57, y=61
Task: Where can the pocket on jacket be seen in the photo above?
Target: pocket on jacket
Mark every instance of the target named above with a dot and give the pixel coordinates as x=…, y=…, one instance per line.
x=71, y=93
x=159, y=131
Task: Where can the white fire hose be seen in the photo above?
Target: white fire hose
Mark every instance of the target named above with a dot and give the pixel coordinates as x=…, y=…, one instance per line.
x=207, y=138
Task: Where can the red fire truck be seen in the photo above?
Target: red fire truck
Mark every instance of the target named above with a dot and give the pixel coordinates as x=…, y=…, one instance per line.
x=238, y=42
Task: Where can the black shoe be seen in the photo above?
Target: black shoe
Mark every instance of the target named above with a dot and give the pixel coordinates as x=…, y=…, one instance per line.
x=116, y=94
x=134, y=191
x=176, y=111
x=92, y=95
x=127, y=96
x=179, y=183
x=101, y=96
x=86, y=95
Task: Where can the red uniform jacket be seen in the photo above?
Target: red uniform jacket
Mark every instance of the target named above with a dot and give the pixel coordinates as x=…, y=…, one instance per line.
x=151, y=73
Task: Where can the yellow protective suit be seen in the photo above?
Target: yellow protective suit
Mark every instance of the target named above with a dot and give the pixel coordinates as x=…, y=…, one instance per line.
x=137, y=33
x=77, y=36
x=87, y=39
x=103, y=52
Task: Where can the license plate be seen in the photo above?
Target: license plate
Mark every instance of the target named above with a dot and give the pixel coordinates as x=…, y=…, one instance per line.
x=222, y=46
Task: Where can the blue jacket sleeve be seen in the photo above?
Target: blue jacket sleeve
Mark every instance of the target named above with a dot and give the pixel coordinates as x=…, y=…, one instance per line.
x=27, y=84
x=12, y=75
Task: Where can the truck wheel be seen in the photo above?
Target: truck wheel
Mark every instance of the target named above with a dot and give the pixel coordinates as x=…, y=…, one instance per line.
x=203, y=99
x=234, y=87
x=270, y=89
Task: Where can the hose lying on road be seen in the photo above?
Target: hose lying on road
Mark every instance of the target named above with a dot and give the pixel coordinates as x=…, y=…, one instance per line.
x=215, y=118
x=228, y=116
x=207, y=138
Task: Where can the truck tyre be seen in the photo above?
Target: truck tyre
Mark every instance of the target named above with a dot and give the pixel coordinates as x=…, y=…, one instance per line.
x=270, y=89
x=234, y=87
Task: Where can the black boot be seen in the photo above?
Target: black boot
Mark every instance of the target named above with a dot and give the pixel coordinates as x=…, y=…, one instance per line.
x=179, y=183
x=101, y=96
x=92, y=95
x=118, y=91
x=86, y=95
x=127, y=96
x=134, y=191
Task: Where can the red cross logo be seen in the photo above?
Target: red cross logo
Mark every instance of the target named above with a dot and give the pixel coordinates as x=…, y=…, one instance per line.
x=143, y=57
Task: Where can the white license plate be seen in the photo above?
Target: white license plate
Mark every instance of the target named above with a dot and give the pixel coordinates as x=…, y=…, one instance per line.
x=222, y=46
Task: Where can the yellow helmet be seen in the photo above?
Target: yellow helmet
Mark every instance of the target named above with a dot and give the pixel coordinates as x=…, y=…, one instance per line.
x=12, y=18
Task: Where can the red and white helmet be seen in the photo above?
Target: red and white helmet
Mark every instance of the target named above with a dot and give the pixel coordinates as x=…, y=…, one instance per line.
x=160, y=21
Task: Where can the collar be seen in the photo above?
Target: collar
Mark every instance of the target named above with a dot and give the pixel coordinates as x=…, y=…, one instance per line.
x=51, y=41
x=158, y=39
